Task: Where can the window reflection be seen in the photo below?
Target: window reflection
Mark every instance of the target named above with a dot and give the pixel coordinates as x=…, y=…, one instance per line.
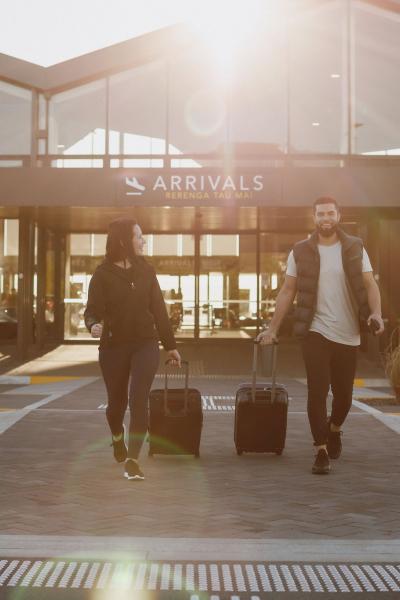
x=318, y=83
x=77, y=120
x=15, y=119
x=197, y=106
x=85, y=251
x=228, y=286
x=377, y=85
x=258, y=96
x=9, y=235
x=172, y=256
x=137, y=111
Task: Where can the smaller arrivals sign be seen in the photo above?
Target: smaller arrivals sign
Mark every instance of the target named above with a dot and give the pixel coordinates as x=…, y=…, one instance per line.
x=195, y=186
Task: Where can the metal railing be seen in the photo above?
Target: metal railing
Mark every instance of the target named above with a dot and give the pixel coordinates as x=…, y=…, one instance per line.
x=171, y=161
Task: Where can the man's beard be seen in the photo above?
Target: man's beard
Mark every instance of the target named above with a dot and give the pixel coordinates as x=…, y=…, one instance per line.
x=329, y=231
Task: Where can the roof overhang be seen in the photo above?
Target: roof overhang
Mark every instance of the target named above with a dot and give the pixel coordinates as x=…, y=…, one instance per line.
x=95, y=65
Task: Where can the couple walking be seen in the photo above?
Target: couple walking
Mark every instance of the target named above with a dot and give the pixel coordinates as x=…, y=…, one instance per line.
x=332, y=277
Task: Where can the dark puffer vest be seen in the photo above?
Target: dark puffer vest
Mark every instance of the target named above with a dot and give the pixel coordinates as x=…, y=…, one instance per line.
x=307, y=260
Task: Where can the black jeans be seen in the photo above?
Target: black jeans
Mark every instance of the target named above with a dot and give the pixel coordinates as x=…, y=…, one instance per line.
x=328, y=364
x=128, y=372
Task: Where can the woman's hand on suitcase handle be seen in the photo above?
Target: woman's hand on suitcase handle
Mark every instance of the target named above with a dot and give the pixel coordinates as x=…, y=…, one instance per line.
x=175, y=358
x=267, y=337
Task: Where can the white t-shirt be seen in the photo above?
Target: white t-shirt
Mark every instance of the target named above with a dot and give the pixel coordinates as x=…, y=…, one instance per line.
x=336, y=314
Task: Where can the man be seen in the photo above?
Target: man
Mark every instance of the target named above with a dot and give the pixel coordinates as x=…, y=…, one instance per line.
x=332, y=276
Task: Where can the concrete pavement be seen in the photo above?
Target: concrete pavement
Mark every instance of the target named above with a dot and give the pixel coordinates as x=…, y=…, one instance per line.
x=63, y=496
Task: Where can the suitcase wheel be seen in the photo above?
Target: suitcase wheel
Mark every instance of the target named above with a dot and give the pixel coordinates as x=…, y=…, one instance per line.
x=279, y=452
x=151, y=455
x=239, y=451
x=197, y=455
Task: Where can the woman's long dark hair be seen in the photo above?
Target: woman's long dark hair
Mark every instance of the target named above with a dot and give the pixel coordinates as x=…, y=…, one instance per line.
x=119, y=240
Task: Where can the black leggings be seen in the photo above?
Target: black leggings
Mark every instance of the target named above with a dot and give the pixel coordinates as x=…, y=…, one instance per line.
x=140, y=364
x=328, y=364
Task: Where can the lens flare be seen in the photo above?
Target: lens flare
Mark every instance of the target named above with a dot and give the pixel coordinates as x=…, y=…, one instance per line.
x=94, y=499
x=205, y=112
x=227, y=27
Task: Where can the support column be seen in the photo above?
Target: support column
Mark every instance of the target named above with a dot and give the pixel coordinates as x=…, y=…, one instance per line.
x=59, y=291
x=197, y=284
x=26, y=252
x=40, y=328
x=258, y=271
x=197, y=234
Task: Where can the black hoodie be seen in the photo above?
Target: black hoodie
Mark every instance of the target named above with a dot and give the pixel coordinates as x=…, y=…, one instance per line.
x=130, y=304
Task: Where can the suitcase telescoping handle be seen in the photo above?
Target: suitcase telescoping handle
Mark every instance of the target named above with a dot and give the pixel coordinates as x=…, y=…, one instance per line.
x=254, y=374
x=185, y=364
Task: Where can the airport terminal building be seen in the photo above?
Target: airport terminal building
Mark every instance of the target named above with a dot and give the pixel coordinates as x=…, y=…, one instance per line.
x=219, y=160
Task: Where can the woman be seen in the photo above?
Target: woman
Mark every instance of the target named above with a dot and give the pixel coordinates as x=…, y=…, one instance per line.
x=127, y=311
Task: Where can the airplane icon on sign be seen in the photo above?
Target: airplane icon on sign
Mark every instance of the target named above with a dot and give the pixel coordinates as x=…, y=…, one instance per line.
x=133, y=183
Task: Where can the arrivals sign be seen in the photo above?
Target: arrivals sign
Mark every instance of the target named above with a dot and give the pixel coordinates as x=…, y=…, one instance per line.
x=203, y=186
x=194, y=187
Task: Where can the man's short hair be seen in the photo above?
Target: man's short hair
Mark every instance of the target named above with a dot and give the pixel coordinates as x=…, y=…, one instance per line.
x=325, y=200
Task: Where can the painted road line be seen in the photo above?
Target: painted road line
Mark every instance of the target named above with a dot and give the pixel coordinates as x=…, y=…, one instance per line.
x=34, y=379
x=370, y=382
x=15, y=379
x=8, y=419
x=52, y=387
x=391, y=421
x=358, y=383
x=371, y=393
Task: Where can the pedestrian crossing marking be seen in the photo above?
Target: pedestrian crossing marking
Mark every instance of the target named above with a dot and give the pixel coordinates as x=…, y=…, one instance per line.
x=210, y=403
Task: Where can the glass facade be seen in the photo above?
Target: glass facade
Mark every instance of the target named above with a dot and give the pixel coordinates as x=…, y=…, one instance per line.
x=258, y=91
x=376, y=48
x=172, y=256
x=9, y=240
x=77, y=121
x=218, y=293
x=50, y=284
x=318, y=79
x=137, y=112
x=84, y=252
x=15, y=119
x=197, y=106
x=228, y=285
x=311, y=80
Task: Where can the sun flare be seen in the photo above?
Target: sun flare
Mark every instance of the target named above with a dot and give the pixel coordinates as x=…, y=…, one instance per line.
x=227, y=27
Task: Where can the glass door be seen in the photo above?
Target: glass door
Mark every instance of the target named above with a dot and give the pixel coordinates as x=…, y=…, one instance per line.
x=9, y=248
x=172, y=256
x=274, y=252
x=228, y=286
x=84, y=251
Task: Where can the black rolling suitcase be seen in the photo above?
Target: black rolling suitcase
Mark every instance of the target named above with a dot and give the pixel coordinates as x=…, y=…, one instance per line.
x=261, y=413
x=175, y=419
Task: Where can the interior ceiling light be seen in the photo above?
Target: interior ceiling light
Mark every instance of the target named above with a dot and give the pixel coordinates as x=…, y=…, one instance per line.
x=315, y=124
x=335, y=76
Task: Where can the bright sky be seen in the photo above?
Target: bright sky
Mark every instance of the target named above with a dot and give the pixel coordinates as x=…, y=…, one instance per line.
x=46, y=32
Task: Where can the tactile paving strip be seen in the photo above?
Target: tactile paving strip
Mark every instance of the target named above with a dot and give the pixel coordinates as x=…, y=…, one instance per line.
x=197, y=578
